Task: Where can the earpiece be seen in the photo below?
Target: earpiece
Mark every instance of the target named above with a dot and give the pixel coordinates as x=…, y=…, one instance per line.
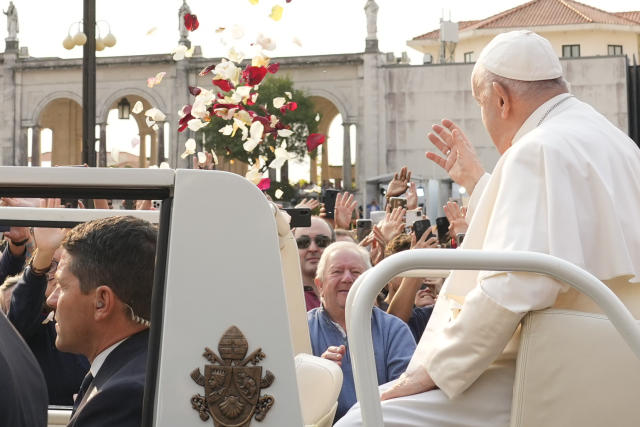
x=100, y=304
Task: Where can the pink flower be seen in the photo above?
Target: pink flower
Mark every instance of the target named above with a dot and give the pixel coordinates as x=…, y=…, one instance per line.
x=314, y=140
x=191, y=22
x=264, y=184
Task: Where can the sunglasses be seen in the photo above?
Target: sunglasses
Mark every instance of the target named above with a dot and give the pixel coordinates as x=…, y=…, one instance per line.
x=305, y=241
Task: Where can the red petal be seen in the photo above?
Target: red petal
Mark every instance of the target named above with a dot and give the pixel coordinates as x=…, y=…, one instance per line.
x=224, y=85
x=195, y=91
x=292, y=106
x=191, y=22
x=314, y=140
x=273, y=68
x=264, y=184
x=254, y=75
x=207, y=70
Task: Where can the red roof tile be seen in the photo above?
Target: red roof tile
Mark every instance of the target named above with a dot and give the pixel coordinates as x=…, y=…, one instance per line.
x=542, y=13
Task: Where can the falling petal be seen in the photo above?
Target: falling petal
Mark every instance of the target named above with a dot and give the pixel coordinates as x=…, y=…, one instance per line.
x=135, y=141
x=254, y=2
x=243, y=91
x=164, y=165
x=297, y=41
x=264, y=184
x=220, y=29
x=195, y=91
x=279, y=193
x=289, y=95
x=189, y=52
x=254, y=75
x=190, y=145
x=285, y=133
x=237, y=32
x=224, y=85
x=155, y=127
x=196, y=124
x=317, y=117
x=226, y=131
x=202, y=157
x=253, y=174
x=155, y=114
x=151, y=30
x=191, y=22
x=267, y=43
x=49, y=317
x=314, y=140
x=178, y=52
x=137, y=107
x=115, y=154
x=235, y=56
x=279, y=102
x=273, y=68
x=260, y=61
x=276, y=12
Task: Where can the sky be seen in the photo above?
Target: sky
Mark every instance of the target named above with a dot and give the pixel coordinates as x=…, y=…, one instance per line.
x=320, y=26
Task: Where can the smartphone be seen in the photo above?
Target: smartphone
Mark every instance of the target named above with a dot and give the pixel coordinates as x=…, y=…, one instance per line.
x=300, y=217
x=413, y=216
x=442, y=224
x=69, y=203
x=420, y=227
x=398, y=202
x=329, y=199
x=377, y=216
x=363, y=227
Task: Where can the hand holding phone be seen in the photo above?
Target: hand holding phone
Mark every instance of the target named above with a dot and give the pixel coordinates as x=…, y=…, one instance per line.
x=420, y=227
x=442, y=223
x=363, y=227
x=300, y=217
x=329, y=199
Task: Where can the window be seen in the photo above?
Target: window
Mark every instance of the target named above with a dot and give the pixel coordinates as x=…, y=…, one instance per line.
x=570, y=50
x=614, y=50
x=468, y=56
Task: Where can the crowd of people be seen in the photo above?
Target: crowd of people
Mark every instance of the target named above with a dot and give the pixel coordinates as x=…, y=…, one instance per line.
x=81, y=298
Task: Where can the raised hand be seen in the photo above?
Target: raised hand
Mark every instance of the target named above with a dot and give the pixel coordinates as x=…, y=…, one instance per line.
x=392, y=224
x=456, y=216
x=460, y=159
x=308, y=203
x=343, y=210
x=398, y=185
x=20, y=202
x=412, y=197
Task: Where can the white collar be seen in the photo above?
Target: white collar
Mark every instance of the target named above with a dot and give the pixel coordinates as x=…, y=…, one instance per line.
x=533, y=120
x=102, y=356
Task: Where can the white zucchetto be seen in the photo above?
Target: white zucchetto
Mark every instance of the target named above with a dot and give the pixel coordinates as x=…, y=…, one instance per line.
x=521, y=55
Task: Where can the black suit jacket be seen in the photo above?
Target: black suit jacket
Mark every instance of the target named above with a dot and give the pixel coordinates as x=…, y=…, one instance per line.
x=114, y=398
x=23, y=398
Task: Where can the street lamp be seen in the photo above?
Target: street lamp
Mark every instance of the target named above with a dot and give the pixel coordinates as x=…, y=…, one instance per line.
x=80, y=38
x=124, y=108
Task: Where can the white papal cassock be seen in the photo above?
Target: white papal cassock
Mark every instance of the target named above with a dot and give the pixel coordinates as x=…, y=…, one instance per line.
x=569, y=186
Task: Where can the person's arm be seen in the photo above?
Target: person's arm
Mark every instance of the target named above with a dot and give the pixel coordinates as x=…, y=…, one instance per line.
x=12, y=259
x=27, y=300
x=400, y=348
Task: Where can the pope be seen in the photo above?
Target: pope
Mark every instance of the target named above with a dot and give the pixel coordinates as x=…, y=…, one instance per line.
x=567, y=184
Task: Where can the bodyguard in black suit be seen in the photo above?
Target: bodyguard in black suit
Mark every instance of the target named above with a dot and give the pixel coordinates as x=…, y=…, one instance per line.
x=102, y=302
x=24, y=392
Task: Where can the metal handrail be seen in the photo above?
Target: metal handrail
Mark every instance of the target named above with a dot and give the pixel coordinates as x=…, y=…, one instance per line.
x=366, y=288
x=17, y=215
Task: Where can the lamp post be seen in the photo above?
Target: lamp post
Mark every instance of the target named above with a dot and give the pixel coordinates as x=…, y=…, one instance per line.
x=87, y=39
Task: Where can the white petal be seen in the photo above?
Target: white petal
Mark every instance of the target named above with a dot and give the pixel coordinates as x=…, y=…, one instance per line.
x=179, y=52
x=277, y=163
x=250, y=144
x=279, y=102
x=226, y=131
x=235, y=56
x=190, y=145
x=155, y=127
x=256, y=130
x=243, y=91
x=49, y=318
x=137, y=107
x=155, y=114
x=195, y=124
x=215, y=157
x=149, y=121
x=289, y=95
x=297, y=41
x=164, y=165
x=317, y=117
x=201, y=157
x=189, y=52
x=284, y=133
x=265, y=42
x=237, y=32
x=279, y=193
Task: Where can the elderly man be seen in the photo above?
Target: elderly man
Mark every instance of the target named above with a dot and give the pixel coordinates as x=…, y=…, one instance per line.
x=103, y=303
x=340, y=265
x=566, y=185
x=312, y=241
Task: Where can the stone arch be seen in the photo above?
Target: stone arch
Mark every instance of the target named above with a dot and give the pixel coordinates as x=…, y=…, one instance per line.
x=42, y=104
x=64, y=117
x=151, y=98
x=329, y=106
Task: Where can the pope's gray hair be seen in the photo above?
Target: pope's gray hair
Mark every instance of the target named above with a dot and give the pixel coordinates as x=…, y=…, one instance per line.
x=481, y=80
x=337, y=246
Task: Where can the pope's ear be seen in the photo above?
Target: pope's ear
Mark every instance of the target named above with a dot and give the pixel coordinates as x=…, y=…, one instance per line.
x=503, y=98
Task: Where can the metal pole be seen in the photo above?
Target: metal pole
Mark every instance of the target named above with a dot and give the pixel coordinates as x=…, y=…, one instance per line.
x=89, y=85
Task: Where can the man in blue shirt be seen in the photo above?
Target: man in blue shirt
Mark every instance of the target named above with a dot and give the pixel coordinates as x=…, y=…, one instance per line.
x=340, y=265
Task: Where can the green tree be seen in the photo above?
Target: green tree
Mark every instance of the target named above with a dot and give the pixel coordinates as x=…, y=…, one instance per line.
x=301, y=121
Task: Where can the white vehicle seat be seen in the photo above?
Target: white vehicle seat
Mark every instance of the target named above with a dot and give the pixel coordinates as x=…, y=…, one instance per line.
x=58, y=417
x=574, y=369
x=319, y=384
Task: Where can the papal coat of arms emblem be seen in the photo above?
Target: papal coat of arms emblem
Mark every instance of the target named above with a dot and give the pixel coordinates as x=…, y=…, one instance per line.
x=231, y=388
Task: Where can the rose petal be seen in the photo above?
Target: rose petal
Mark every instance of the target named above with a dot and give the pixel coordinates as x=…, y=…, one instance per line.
x=264, y=184
x=137, y=107
x=235, y=56
x=254, y=75
x=317, y=117
x=314, y=140
x=202, y=158
x=178, y=52
x=267, y=43
x=279, y=102
x=226, y=130
x=254, y=1
x=191, y=22
x=151, y=31
x=155, y=114
x=276, y=12
x=284, y=133
x=190, y=145
x=164, y=165
x=195, y=91
x=237, y=32
x=273, y=68
x=289, y=95
x=279, y=193
x=292, y=106
x=207, y=70
x=196, y=124
x=297, y=41
x=224, y=85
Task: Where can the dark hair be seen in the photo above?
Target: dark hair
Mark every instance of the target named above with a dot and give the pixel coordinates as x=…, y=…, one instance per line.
x=401, y=242
x=118, y=252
